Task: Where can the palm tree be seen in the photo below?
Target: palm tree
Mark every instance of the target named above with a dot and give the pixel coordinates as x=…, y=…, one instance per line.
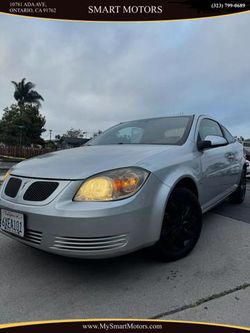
x=24, y=93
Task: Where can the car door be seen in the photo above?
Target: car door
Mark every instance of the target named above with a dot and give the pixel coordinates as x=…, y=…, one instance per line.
x=217, y=165
x=235, y=155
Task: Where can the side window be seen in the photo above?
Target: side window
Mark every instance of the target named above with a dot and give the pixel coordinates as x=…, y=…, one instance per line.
x=228, y=135
x=209, y=127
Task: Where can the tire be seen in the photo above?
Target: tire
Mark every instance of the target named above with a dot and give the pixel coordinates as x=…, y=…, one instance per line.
x=239, y=195
x=181, y=225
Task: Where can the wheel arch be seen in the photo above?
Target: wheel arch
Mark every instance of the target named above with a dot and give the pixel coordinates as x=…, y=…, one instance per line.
x=188, y=183
x=245, y=166
x=184, y=190
x=185, y=182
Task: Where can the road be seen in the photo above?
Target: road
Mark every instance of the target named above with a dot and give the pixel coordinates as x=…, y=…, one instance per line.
x=212, y=284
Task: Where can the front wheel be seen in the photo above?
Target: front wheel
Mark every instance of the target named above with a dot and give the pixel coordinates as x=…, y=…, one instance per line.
x=181, y=225
x=239, y=195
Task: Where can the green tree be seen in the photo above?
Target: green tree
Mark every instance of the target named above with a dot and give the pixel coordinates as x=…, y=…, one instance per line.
x=97, y=133
x=74, y=133
x=22, y=125
x=25, y=93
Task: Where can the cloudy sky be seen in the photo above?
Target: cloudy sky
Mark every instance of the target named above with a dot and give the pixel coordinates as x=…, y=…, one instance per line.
x=93, y=75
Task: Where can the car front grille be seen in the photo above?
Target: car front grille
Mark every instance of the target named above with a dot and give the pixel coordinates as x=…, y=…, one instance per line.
x=37, y=190
x=31, y=236
x=89, y=244
x=13, y=187
x=40, y=191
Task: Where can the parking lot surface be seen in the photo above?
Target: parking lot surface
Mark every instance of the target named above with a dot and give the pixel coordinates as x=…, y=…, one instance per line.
x=240, y=213
x=212, y=284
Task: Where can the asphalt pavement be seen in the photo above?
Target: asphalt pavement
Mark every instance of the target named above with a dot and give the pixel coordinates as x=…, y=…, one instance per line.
x=241, y=214
x=212, y=284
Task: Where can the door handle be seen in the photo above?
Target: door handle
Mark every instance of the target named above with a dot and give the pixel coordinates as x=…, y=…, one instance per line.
x=230, y=156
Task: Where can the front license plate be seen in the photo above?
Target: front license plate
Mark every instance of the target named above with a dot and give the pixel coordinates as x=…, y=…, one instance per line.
x=12, y=222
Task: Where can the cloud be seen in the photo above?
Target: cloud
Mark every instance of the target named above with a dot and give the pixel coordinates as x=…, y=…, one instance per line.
x=93, y=75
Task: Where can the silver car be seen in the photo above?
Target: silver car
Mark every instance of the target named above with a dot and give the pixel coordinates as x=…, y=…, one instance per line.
x=141, y=183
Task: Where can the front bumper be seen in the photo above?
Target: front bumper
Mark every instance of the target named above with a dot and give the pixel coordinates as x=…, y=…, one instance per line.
x=93, y=229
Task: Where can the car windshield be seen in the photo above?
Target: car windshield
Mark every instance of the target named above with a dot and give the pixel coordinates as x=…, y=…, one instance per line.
x=167, y=131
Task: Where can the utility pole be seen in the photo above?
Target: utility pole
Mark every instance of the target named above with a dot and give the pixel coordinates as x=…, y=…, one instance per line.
x=21, y=127
x=50, y=132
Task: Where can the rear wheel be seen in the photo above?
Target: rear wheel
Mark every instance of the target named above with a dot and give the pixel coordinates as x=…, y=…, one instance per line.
x=239, y=195
x=181, y=225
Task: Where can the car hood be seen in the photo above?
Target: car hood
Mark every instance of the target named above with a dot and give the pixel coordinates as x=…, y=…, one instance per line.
x=83, y=162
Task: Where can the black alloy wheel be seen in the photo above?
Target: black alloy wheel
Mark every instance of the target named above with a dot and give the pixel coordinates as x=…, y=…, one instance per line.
x=181, y=226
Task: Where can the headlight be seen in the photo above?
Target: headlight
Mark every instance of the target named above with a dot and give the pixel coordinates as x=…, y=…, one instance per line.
x=7, y=174
x=112, y=185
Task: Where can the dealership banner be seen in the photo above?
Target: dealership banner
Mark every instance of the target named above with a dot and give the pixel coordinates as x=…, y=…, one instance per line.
x=109, y=10
x=119, y=325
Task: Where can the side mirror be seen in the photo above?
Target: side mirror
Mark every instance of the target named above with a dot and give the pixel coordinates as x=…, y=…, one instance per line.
x=216, y=140
x=204, y=144
x=212, y=141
